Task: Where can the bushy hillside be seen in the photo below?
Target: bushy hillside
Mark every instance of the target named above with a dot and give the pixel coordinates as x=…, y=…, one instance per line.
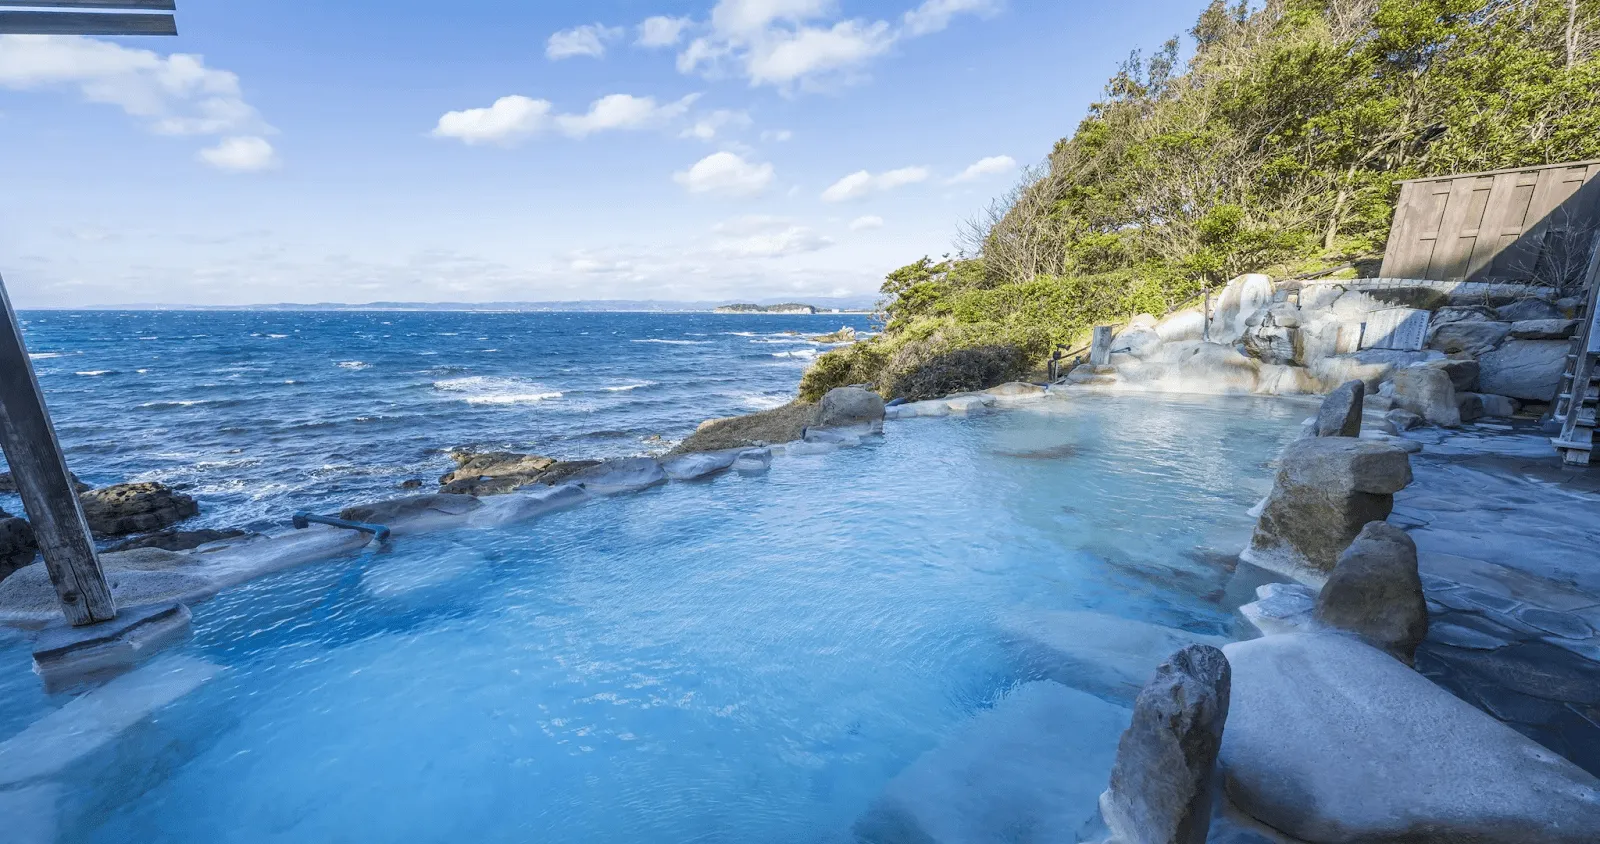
x=1276, y=145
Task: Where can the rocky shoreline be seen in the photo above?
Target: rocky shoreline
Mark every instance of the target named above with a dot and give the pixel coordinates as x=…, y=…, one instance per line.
x=1350, y=693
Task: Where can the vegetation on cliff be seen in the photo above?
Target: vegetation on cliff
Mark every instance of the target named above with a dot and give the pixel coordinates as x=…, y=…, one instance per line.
x=1276, y=145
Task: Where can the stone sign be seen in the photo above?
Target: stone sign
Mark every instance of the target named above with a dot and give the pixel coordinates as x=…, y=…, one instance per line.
x=1403, y=329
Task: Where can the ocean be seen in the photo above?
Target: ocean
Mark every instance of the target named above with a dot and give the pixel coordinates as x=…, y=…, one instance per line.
x=258, y=414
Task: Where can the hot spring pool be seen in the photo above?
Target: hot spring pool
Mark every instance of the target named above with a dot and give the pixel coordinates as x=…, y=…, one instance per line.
x=748, y=659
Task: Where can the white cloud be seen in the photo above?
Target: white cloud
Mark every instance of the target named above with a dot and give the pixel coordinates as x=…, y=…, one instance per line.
x=708, y=126
x=862, y=183
x=726, y=173
x=795, y=43
x=241, y=155
x=589, y=40
x=864, y=223
x=172, y=95
x=935, y=15
x=662, y=31
x=623, y=112
x=991, y=166
x=509, y=120
x=779, y=135
x=767, y=237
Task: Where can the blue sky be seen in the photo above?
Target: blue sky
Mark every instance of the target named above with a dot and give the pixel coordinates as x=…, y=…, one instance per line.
x=483, y=150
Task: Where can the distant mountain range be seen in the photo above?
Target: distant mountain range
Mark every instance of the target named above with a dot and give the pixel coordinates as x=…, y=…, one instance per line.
x=856, y=303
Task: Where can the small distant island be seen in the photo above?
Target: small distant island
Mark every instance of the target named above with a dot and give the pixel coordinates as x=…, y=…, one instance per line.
x=781, y=308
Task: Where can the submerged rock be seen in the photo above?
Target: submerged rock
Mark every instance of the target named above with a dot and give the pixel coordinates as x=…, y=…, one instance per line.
x=1027, y=770
x=1161, y=783
x=753, y=461
x=1326, y=491
x=690, y=467
x=1103, y=654
x=1340, y=414
x=1331, y=741
x=849, y=406
x=135, y=508
x=1281, y=608
x=1427, y=392
x=1376, y=592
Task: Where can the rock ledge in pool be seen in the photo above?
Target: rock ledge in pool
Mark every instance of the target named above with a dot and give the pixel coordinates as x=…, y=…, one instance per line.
x=124, y=509
x=414, y=513
x=849, y=406
x=624, y=474
x=1333, y=741
x=779, y=425
x=493, y=473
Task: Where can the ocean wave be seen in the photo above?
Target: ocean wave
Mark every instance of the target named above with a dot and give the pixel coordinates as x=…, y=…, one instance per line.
x=628, y=387
x=44, y=355
x=799, y=354
x=92, y=373
x=789, y=340
x=762, y=401
x=492, y=389
x=675, y=342
x=168, y=405
x=354, y=364
x=740, y=333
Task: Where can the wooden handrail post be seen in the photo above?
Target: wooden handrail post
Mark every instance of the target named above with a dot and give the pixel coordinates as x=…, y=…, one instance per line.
x=40, y=472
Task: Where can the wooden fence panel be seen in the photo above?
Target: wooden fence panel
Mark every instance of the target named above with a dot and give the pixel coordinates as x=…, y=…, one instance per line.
x=1525, y=224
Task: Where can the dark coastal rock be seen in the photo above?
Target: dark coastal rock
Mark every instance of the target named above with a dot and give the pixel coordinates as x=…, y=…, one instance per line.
x=1464, y=313
x=493, y=473
x=412, y=483
x=849, y=406
x=17, y=544
x=1340, y=415
x=1544, y=329
x=845, y=334
x=1161, y=784
x=779, y=425
x=1429, y=393
x=1327, y=490
x=1376, y=592
x=1528, y=309
x=1473, y=337
x=135, y=508
x=689, y=467
x=1529, y=370
x=565, y=469
x=1403, y=420
x=1330, y=740
x=177, y=540
x=8, y=484
x=1463, y=372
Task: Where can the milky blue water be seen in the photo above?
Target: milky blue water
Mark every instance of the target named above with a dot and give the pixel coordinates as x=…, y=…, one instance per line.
x=257, y=414
x=739, y=660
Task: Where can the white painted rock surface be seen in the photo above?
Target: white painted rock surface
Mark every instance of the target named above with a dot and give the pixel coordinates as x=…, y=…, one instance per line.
x=1332, y=741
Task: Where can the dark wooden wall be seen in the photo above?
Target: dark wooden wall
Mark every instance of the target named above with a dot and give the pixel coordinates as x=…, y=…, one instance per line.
x=1529, y=224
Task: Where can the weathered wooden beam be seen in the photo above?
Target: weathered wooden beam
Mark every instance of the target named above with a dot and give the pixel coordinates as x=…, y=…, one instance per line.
x=86, y=23
x=146, y=5
x=40, y=472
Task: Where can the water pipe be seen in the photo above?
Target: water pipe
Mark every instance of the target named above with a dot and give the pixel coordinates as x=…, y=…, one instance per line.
x=303, y=520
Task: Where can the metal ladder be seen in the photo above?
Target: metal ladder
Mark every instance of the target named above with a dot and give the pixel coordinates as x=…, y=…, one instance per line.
x=1577, y=400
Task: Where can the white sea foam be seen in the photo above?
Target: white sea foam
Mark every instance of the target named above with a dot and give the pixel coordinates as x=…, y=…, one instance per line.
x=185, y=403
x=675, y=342
x=91, y=373
x=627, y=387
x=493, y=389
x=763, y=401
x=354, y=364
x=43, y=355
x=800, y=354
x=740, y=333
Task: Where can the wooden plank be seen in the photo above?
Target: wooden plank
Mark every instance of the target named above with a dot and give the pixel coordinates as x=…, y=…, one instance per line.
x=1400, y=236
x=1100, y=346
x=1515, y=248
x=1498, y=215
x=1452, y=249
x=1533, y=169
x=146, y=5
x=40, y=472
x=86, y=23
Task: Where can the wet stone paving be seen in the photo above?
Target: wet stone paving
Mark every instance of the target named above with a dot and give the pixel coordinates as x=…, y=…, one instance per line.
x=1509, y=549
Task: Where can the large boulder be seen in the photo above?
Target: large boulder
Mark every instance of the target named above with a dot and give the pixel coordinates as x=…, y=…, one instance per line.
x=1180, y=326
x=135, y=508
x=17, y=544
x=1271, y=344
x=1287, y=381
x=1373, y=366
x=1161, y=784
x=8, y=484
x=1332, y=741
x=1340, y=414
x=1530, y=370
x=1327, y=490
x=1469, y=336
x=1376, y=592
x=1427, y=392
x=1463, y=372
x=1544, y=329
x=1239, y=301
x=493, y=473
x=1138, y=340
x=1528, y=309
x=849, y=406
x=779, y=425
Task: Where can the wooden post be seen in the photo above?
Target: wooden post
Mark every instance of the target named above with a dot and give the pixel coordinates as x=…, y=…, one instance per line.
x=40, y=472
x=1100, y=347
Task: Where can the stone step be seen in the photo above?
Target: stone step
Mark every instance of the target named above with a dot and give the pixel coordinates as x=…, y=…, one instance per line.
x=1030, y=769
x=1101, y=654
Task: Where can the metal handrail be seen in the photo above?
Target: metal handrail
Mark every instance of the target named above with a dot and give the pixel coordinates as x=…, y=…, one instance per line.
x=303, y=520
